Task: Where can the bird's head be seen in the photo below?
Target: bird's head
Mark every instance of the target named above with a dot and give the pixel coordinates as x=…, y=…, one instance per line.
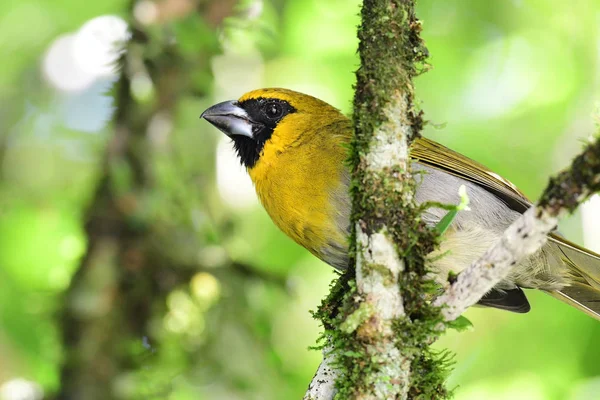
x=272, y=121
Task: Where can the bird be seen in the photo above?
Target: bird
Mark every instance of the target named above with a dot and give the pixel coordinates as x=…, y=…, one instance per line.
x=295, y=146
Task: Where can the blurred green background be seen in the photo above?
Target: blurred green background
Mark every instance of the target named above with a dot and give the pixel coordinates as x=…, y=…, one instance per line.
x=135, y=262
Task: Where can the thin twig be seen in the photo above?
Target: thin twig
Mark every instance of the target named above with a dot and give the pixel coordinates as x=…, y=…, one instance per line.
x=322, y=386
x=523, y=238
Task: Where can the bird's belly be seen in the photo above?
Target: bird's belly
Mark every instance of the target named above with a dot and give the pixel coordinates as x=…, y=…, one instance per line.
x=317, y=222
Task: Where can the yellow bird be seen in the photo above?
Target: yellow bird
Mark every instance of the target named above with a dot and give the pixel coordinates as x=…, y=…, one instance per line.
x=294, y=147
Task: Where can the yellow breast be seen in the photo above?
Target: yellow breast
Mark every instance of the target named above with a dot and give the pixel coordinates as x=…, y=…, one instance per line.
x=303, y=185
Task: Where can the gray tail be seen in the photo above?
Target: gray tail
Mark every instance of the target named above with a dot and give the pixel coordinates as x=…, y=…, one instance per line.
x=584, y=270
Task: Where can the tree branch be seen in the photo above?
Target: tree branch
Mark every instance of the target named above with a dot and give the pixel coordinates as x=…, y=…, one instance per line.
x=376, y=332
x=322, y=385
x=526, y=235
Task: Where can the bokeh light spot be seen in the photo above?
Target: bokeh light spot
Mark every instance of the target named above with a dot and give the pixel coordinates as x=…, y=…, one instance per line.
x=61, y=70
x=99, y=43
x=141, y=87
x=205, y=287
x=21, y=389
x=71, y=247
x=146, y=12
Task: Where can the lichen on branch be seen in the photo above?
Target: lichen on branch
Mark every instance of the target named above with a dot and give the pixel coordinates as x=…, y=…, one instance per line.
x=377, y=321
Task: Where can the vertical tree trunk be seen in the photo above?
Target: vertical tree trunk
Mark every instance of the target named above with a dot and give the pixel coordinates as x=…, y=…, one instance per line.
x=383, y=318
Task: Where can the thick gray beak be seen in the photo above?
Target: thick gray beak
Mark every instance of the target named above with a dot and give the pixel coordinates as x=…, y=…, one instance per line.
x=229, y=118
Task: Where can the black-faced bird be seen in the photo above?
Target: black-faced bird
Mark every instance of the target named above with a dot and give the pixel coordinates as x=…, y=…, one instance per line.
x=294, y=147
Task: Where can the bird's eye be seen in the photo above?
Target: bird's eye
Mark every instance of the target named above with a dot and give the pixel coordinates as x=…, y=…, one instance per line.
x=273, y=110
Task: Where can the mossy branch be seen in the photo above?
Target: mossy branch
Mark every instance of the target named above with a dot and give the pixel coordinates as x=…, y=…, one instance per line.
x=377, y=325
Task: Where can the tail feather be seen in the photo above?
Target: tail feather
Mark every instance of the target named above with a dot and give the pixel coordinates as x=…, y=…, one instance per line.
x=582, y=297
x=584, y=269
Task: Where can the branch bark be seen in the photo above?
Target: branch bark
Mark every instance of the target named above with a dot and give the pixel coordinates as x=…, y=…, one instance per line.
x=322, y=385
x=376, y=332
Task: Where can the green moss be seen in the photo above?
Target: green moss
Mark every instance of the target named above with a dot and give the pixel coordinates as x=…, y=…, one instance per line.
x=359, y=316
x=391, y=54
x=381, y=270
x=429, y=372
x=568, y=190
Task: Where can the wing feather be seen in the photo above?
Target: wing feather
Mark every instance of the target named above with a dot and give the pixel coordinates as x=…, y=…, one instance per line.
x=583, y=264
x=437, y=156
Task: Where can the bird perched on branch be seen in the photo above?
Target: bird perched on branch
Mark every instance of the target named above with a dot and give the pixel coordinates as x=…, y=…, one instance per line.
x=294, y=147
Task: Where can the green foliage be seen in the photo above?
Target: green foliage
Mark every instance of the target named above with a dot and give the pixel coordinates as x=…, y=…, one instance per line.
x=461, y=324
x=453, y=210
